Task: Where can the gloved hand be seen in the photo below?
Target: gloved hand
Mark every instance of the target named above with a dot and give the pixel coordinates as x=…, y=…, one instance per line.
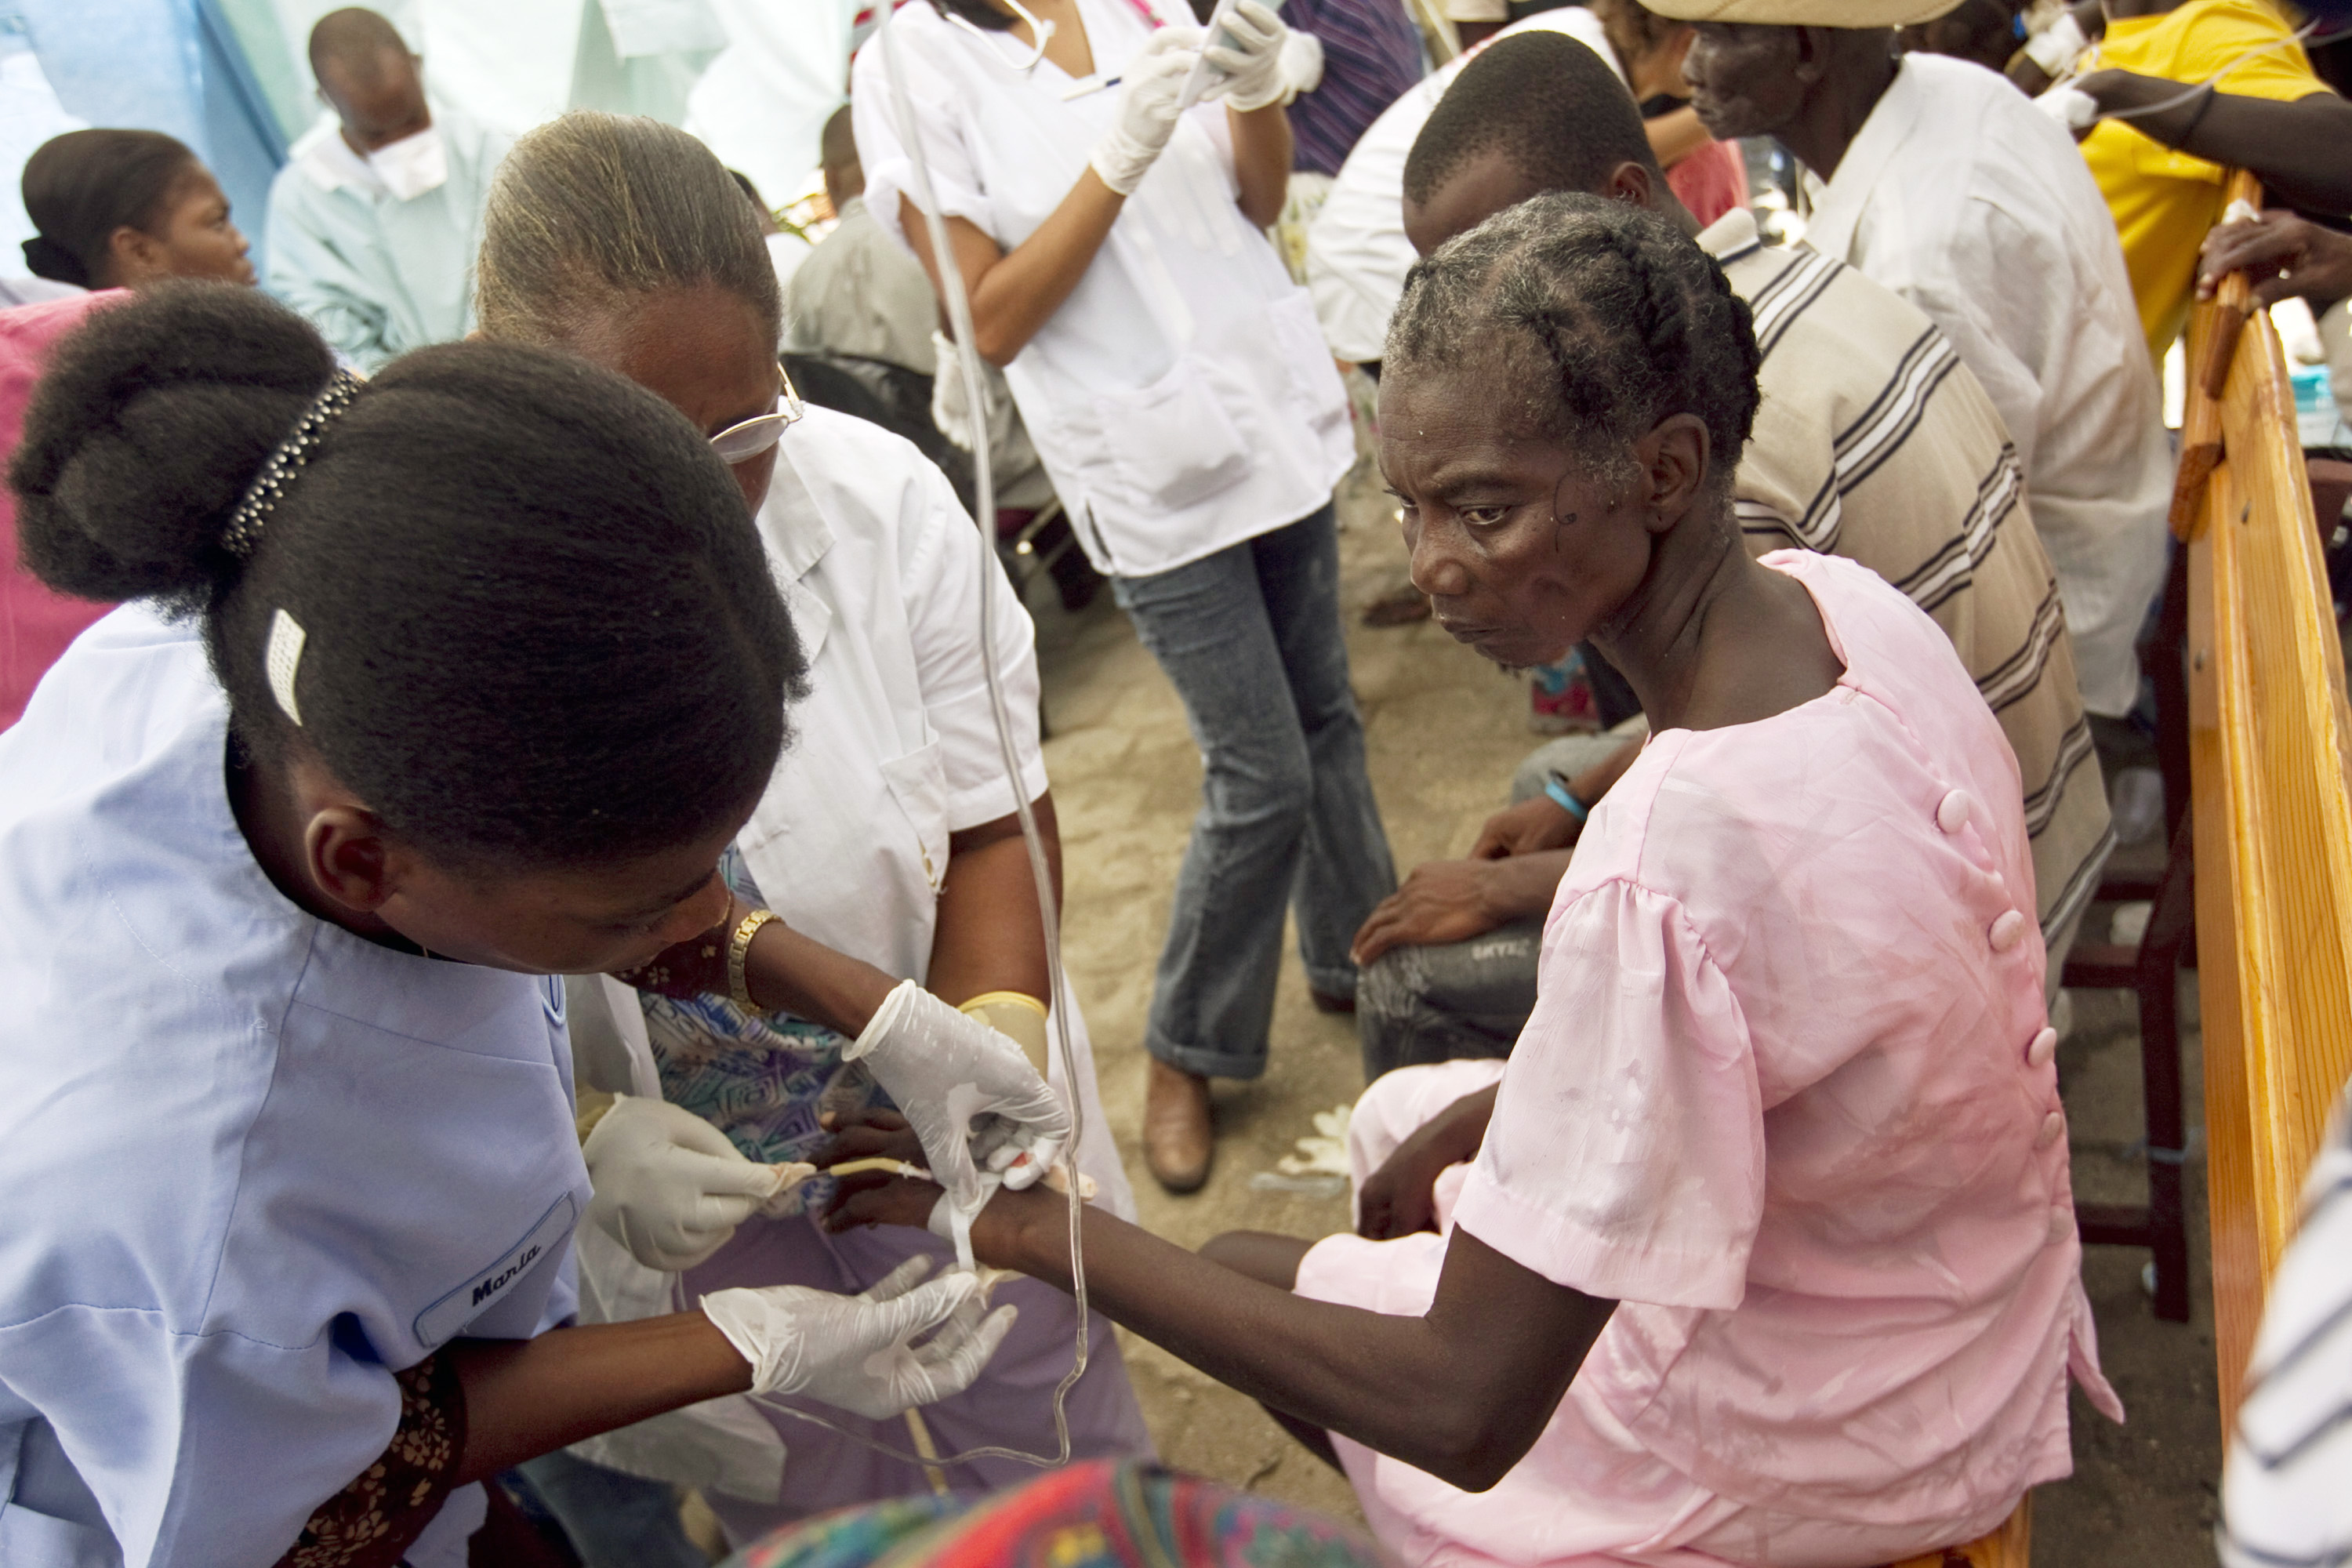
x=854, y=1351
x=1248, y=50
x=1302, y=62
x=1146, y=108
x=943, y=1069
x=669, y=1186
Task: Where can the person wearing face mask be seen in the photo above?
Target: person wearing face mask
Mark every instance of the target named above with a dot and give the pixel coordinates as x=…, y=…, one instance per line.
x=298, y=848
x=375, y=219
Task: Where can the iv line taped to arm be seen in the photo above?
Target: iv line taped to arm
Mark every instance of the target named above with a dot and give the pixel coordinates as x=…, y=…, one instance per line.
x=959, y=310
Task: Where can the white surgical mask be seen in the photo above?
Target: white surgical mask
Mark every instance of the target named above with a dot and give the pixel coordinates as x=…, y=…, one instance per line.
x=413, y=165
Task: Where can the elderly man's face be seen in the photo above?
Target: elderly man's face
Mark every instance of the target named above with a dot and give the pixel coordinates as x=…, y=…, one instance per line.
x=1747, y=81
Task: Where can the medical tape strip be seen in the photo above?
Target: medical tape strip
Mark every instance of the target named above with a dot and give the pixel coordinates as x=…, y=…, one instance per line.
x=282, y=659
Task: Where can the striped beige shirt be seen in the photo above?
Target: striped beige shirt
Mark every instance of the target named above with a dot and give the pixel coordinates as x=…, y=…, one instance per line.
x=1874, y=442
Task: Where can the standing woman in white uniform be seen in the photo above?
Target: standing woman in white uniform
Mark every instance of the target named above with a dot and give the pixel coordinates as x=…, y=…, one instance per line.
x=885, y=843
x=285, y=1087
x=1178, y=389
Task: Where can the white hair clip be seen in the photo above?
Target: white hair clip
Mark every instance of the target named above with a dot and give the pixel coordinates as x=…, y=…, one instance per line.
x=283, y=661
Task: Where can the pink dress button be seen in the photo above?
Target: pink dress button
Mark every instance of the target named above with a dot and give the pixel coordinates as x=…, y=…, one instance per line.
x=2044, y=1047
x=2061, y=1224
x=2051, y=1125
x=1952, y=811
x=2007, y=930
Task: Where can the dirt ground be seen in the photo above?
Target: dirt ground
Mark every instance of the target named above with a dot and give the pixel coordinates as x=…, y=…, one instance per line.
x=1444, y=730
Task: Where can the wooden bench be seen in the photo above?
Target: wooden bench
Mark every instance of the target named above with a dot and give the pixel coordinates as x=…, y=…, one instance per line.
x=2011, y=1546
x=2270, y=759
x=2269, y=737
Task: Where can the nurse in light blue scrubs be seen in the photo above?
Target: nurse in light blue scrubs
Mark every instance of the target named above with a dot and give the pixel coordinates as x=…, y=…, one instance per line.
x=288, y=850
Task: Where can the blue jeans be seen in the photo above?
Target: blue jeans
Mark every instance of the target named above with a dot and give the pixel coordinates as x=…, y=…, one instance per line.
x=614, y=1521
x=1250, y=637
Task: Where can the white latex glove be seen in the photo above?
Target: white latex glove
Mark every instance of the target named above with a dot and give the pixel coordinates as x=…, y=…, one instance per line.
x=1146, y=108
x=943, y=1069
x=1248, y=50
x=669, y=1186
x=2069, y=107
x=856, y=1351
x=2057, y=47
x=1302, y=62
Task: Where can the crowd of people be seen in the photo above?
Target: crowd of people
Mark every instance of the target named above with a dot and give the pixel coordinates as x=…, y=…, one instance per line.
x=530, y=868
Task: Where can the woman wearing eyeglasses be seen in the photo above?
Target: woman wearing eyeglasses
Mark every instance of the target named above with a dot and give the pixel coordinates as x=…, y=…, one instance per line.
x=886, y=845
x=1179, y=390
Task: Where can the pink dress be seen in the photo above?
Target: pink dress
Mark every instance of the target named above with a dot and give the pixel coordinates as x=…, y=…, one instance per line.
x=1787, y=1095
x=36, y=624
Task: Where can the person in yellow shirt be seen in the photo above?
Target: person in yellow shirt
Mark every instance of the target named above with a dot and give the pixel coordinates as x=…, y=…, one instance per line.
x=2262, y=109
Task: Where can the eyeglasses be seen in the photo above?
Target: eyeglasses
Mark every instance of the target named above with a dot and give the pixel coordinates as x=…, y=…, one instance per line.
x=741, y=443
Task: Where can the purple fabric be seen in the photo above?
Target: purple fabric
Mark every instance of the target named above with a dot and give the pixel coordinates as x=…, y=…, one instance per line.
x=1011, y=1405
x=1371, y=53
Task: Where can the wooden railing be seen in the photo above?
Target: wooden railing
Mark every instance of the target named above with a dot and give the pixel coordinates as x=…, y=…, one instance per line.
x=2270, y=739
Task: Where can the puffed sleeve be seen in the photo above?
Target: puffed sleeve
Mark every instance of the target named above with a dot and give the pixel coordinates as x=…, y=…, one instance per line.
x=1625, y=1158
x=945, y=569
x=936, y=108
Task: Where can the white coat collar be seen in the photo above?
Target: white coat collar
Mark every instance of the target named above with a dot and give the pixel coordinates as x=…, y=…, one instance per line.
x=328, y=163
x=1899, y=114
x=797, y=536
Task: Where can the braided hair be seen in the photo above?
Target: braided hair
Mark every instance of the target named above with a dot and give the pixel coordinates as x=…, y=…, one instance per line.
x=1611, y=317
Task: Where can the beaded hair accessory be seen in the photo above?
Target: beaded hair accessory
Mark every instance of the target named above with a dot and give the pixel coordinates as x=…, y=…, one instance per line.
x=285, y=460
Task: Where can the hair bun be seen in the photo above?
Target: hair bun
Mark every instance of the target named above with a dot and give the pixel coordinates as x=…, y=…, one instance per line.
x=53, y=261
x=153, y=419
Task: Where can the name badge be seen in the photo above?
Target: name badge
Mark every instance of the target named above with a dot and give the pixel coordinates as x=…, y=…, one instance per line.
x=440, y=1321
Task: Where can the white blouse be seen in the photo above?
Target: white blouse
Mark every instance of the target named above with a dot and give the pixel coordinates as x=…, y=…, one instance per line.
x=1181, y=398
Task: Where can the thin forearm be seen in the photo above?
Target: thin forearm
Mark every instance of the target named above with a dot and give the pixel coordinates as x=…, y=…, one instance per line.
x=1262, y=153
x=1523, y=885
x=528, y=1397
x=989, y=937
x=1394, y=1383
x=2296, y=148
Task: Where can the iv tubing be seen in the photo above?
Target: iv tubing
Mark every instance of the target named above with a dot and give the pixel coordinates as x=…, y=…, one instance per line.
x=959, y=306
x=2211, y=84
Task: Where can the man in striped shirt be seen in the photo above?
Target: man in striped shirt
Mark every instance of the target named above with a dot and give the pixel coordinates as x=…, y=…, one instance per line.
x=2283, y=1501
x=1872, y=441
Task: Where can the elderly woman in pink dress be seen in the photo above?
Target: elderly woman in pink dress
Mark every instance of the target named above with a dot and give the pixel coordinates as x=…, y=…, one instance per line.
x=1761, y=1247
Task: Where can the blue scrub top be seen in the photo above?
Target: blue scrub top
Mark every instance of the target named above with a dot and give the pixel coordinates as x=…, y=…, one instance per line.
x=254, y=1164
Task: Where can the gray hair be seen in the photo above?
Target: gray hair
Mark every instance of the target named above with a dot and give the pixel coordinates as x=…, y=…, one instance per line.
x=1609, y=316
x=591, y=211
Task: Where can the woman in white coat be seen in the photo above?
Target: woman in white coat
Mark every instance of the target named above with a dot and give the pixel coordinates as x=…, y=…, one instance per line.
x=885, y=843
x=1178, y=389
x=293, y=846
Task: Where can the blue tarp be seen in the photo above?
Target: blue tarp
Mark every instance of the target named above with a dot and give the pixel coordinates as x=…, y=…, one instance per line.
x=172, y=66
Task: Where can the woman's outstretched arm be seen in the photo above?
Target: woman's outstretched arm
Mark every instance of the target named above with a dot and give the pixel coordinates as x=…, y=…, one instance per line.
x=1462, y=1392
